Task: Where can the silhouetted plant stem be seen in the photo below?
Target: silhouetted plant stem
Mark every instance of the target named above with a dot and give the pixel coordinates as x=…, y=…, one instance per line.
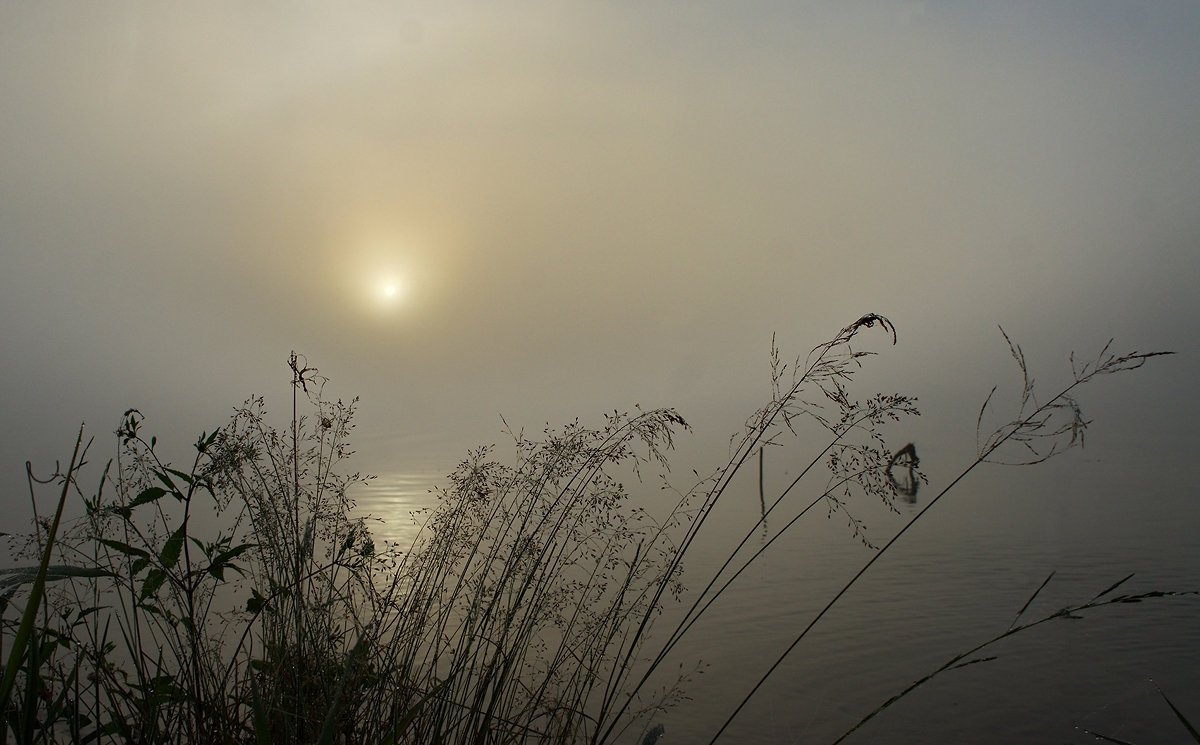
x=1021, y=430
x=961, y=660
x=697, y=610
x=826, y=367
x=21, y=642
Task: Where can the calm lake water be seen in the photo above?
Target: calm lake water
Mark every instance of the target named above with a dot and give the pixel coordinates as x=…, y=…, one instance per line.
x=956, y=579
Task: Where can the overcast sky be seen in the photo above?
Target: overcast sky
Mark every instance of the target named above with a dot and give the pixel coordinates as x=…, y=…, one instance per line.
x=580, y=207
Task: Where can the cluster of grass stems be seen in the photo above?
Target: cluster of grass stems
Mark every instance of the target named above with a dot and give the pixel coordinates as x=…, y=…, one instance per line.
x=238, y=600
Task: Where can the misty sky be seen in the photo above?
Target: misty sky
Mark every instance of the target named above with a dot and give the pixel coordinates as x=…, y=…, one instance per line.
x=581, y=207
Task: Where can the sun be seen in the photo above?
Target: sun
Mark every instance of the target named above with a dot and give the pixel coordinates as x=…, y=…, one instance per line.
x=386, y=270
x=391, y=290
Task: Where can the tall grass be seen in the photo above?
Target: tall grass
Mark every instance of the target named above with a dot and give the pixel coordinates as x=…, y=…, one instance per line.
x=239, y=600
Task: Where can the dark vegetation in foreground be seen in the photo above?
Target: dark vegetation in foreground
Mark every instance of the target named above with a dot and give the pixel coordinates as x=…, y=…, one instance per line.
x=236, y=600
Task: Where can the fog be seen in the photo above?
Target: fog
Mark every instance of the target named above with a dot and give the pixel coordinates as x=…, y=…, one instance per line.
x=583, y=207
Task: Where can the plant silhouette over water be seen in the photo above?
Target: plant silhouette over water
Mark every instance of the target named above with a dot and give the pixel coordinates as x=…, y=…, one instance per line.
x=239, y=600
x=1019, y=625
x=1038, y=431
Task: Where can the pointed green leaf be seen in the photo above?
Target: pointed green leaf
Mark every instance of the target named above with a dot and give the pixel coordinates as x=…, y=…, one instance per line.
x=148, y=495
x=204, y=443
x=172, y=489
x=171, y=549
x=154, y=580
x=82, y=614
x=124, y=548
x=16, y=576
x=223, y=559
x=66, y=572
x=186, y=477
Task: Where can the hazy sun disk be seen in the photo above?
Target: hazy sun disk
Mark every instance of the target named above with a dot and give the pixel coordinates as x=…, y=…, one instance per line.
x=392, y=290
x=386, y=269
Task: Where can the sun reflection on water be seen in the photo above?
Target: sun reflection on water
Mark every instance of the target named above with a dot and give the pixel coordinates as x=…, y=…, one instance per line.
x=395, y=506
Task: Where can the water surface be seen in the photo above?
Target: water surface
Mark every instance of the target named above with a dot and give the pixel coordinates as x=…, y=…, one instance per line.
x=956, y=579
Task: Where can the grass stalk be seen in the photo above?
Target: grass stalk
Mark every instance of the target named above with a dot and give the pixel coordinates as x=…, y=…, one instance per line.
x=21, y=647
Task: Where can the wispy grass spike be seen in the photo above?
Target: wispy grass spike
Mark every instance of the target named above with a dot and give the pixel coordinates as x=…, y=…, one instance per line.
x=1034, y=595
x=1114, y=586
